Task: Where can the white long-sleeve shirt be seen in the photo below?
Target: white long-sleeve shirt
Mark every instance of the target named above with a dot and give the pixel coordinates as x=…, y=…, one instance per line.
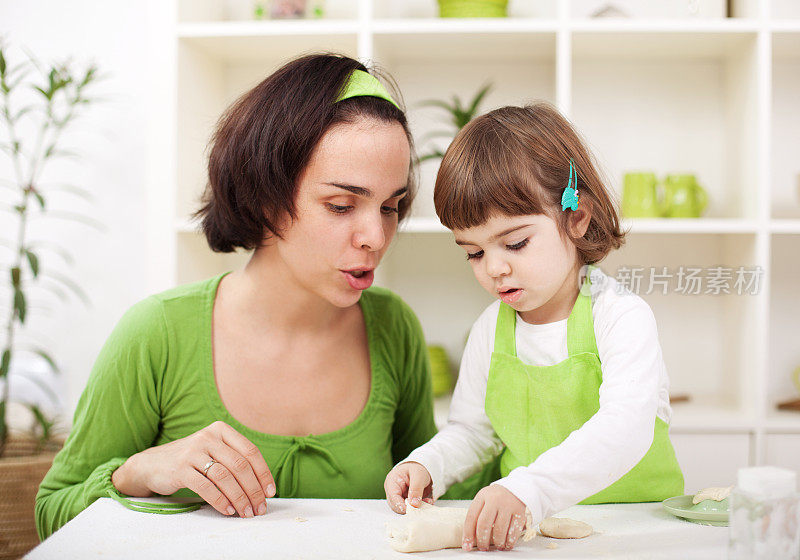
x=634, y=389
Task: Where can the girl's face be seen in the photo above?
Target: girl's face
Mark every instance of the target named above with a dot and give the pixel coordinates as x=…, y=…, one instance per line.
x=346, y=203
x=525, y=262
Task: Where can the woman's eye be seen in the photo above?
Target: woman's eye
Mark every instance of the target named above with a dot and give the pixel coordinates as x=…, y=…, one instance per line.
x=336, y=209
x=389, y=210
x=476, y=255
x=517, y=246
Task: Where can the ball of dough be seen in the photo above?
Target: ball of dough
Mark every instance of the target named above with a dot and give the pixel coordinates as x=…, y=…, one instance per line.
x=563, y=528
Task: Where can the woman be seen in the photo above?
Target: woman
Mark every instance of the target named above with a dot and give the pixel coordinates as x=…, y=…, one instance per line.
x=290, y=377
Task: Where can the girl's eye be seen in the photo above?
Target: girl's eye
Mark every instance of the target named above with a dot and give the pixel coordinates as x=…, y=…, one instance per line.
x=475, y=255
x=517, y=246
x=389, y=210
x=336, y=209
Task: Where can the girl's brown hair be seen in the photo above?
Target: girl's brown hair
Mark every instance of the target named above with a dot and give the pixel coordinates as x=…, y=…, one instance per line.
x=515, y=161
x=265, y=140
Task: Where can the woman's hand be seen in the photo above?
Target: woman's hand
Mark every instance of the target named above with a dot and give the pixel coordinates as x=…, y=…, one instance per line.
x=496, y=516
x=239, y=480
x=408, y=480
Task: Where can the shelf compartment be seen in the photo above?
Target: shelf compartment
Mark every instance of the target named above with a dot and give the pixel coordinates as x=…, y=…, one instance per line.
x=521, y=66
x=673, y=103
x=785, y=166
x=711, y=459
x=213, y=71
x=784, y=351
x=451, y=299
x=428, y=9
x=243, y=10
x=705, y=334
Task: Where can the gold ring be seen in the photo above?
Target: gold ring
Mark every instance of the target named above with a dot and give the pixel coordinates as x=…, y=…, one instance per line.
x=208, y=466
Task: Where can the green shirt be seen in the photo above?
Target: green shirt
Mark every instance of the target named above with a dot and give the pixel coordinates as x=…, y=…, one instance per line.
x=153, y=383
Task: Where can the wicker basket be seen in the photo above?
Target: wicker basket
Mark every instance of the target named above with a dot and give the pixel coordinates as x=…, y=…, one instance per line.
x=22, y=469
x=473, y=8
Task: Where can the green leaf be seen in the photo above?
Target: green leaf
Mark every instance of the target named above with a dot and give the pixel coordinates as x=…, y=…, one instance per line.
x=5, y=362
x=47, y=95
x=15, y=277
x=473, y=108
x=33, y=261
x=60, y=251
x=39, y=199
x=24, y=110
x=20, y=305
x=72, y=189
x=69, y=284
x=41, y=353
x=433, y=155
x=436, y=103
x=45, y=424
x=75, y=217
x=2, y=63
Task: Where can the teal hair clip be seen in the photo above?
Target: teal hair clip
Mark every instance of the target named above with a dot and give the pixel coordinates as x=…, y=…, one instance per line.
x=570, y=197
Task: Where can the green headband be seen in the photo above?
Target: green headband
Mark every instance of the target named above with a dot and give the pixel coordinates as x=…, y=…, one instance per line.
x=361, y=84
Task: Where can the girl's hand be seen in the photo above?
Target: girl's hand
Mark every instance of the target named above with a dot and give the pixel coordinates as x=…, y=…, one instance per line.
x=496, y=516
x=408, y=480
x=239, y=481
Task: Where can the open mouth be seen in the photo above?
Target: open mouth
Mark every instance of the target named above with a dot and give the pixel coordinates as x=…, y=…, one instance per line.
x=359, y=279
x=510, y=295
x=357, y=273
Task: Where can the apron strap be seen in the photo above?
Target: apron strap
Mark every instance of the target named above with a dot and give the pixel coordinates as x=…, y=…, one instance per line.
x=580, y=325
x=504, y=333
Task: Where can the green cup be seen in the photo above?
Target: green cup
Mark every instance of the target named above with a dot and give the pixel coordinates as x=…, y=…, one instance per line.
x=640, y=196
x=684, y=197
x=441, y=374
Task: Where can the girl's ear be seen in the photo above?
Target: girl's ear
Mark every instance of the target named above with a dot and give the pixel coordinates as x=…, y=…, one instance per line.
x=579, y=221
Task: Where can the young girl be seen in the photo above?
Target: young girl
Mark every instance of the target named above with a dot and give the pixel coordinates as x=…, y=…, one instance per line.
x=564, y=376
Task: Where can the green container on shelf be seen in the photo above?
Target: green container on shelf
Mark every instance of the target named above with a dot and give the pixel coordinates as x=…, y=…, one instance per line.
x=473, y=8
x=441, y=374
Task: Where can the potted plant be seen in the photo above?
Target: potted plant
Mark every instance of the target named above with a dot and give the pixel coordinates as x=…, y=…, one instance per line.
x=458, y=115
x=37, y=104
x=473, y=8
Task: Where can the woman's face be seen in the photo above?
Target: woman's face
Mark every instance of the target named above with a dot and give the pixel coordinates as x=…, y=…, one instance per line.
x=346, y=205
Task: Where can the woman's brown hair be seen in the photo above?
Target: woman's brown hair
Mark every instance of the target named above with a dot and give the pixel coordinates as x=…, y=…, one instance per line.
x=265, y=139
x=515, y=161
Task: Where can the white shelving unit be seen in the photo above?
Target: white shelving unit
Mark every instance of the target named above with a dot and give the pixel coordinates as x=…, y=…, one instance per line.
x=715, y=97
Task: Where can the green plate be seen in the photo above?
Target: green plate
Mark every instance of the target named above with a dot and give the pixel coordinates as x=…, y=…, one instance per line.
x=706, y=512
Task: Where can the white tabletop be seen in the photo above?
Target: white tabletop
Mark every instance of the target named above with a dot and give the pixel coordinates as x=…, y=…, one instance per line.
x=354, y=529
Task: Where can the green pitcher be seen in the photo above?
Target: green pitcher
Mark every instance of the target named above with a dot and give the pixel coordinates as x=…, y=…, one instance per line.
x=684, y=197
x=640, y=196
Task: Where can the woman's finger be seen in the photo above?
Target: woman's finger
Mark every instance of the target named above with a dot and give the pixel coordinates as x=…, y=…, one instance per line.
x=207, y=490
x=471, y=522
x=242, y=471
x=228, y=485
x=250, y=452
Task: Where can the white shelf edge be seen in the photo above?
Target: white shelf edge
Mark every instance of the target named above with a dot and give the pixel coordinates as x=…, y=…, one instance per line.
x=690, y=225
x=387, y=26
x=786, y=26
x=727, y=25
x=422, y=225
x=266, y=28
x=785, y=226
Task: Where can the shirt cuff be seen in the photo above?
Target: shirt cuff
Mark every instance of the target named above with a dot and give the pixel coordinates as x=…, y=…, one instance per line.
x=99, y=484
x=520, y=485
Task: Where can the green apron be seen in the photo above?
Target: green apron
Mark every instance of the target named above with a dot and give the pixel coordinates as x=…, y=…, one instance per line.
x=535, y=408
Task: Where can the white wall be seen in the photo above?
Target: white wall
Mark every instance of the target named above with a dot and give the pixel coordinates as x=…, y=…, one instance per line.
x=110, y=266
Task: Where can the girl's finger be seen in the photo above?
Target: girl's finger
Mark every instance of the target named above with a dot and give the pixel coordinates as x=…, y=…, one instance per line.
x=471, y=522
x=483, y=530
x=500, y=529
x=515, y=530
x=395, y=486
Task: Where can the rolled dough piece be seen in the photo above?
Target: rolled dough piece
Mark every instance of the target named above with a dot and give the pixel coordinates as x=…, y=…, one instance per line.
x=714, y=493
x=427, y=527
x=430, y=527
x=563, y=528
